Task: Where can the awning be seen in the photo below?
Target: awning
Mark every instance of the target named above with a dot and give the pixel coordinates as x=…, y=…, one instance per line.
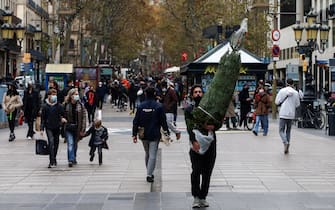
x=37, y=55
x=215, y=54
x=59, y=68
x=172, y=69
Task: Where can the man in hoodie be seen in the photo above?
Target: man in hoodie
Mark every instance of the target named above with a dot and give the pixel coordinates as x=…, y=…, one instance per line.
x=288, y=99
x=51, y=119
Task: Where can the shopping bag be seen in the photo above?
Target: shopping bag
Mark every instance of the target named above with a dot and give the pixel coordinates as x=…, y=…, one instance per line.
x=98, y=115
x=21, y=119
x=41, y=147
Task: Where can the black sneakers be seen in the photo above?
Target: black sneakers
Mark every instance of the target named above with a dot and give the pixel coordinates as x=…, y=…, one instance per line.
x=286, y=146
x=92, y=157
x=150, y=178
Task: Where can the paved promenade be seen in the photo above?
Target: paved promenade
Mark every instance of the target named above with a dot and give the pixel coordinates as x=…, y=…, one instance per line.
x=251, y=172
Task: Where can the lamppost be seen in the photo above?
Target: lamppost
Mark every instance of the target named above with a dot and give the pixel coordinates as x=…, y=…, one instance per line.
x=38, y=38
x=10, y=33
x=312, y=28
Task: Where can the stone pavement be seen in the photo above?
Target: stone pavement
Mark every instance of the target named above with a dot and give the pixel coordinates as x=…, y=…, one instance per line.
x=251, y=172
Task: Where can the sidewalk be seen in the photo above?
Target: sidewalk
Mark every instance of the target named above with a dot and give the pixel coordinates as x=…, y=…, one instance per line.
x=250, y=172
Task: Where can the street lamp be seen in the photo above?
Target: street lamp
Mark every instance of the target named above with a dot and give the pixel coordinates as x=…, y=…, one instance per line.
x=9, y=32
x=312, y=28
x=38, y=38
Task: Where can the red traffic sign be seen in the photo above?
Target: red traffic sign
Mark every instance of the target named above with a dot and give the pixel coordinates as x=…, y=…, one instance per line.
x=275, y=51
x=275, y=35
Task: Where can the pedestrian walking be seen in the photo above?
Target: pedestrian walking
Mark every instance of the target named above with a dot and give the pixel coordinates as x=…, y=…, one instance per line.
x=230, y=116
x=52, y=117
x=11, y=103
x=149, y=119
x=99, y=136
x=288, y=99
x=202, y=164
x=170, y=104
x=262, y=104
x=31, y=107
x=245, y=104
x=100, y=93
x=75, y=126
x=91, y=103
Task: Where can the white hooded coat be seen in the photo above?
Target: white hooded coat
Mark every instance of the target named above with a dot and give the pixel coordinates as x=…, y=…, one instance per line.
x=288, y=105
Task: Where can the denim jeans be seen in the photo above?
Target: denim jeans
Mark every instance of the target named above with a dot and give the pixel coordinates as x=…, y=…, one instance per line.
x=150, y=148
x=171, y=122
x=72, y=145
x=265, y=123
x=285, y=130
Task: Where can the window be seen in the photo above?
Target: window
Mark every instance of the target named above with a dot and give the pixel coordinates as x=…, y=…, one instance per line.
x=71, y=45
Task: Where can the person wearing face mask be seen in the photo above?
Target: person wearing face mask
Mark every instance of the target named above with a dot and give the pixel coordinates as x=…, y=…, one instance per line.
x=75, y=126
x=100, y=93
x=202, y=163
x=11, y=102
x=31, y=107
x=51, y=118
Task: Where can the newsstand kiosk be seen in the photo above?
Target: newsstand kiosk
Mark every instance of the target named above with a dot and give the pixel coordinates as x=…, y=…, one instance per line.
x=59, y=73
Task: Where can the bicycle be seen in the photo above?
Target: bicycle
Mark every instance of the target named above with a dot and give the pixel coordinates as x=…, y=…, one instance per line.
x=251, y=119
x=313, y=118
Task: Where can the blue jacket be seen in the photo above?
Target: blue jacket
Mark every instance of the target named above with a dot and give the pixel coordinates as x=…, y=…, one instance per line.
x=150, y=115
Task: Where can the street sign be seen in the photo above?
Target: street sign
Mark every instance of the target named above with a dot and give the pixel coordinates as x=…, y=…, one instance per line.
x=275, y=35
x=275, y=51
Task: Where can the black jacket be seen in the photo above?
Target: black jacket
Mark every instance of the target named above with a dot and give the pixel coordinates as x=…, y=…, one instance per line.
x=93, y=141
x=150, y=115
x=51, y=115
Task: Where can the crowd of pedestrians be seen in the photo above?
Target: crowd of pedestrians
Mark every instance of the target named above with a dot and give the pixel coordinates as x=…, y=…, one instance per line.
x=154, y=103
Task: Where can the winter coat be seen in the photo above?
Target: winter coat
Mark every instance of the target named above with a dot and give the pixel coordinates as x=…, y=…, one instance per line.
x=97, y=141
x=31, y=104
x=80, y=118
x=11, y=102
x=51, y=115
x=262, y=104
x=170, y=101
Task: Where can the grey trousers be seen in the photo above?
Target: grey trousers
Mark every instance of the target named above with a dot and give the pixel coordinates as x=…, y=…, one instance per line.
x=150, y=148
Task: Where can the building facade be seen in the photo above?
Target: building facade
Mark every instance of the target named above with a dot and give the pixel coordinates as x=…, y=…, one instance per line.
x=288, y=13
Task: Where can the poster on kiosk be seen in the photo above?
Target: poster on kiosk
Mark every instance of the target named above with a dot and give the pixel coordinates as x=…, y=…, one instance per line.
x=59, y=73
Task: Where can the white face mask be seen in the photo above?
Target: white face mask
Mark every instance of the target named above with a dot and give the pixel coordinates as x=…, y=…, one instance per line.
x=53, y=99
x=76, y=97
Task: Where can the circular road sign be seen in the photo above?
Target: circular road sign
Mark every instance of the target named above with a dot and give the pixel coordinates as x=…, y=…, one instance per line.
x=275, y=35
x=275, y=51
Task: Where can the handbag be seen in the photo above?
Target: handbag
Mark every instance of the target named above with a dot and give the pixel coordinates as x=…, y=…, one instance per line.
x=41, y=147
x=21, y=119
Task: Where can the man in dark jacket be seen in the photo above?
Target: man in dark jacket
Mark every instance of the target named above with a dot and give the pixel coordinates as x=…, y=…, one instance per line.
x=149, y=117
x=202, y=164
x=51, y=119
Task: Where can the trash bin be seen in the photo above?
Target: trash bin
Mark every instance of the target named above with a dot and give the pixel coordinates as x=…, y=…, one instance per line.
x=331, y=120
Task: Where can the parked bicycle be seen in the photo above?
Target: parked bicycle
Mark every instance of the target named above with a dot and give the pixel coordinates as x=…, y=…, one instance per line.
x=251, y=119
x=312, y=117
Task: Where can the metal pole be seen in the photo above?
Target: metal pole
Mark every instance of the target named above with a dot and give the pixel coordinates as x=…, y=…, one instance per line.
x=274, y=77
x=7, y=64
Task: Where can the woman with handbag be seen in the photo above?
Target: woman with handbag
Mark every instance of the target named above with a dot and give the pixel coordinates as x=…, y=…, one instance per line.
x=51, y=119
x=75, y=126
x=11, y=102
